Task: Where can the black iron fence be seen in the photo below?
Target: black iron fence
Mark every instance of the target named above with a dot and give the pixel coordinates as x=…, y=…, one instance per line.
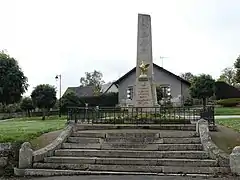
x=139, y=115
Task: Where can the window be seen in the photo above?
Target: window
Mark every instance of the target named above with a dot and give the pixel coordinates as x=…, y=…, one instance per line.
x=130, y=92
x=163, y=92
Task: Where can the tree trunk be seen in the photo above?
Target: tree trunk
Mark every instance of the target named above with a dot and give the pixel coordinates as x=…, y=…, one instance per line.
x=48, y=112
x=204, y=103
x=28, y=111
x=44, y=114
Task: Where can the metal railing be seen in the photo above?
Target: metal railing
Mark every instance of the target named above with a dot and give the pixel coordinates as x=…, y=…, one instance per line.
x=139, y=115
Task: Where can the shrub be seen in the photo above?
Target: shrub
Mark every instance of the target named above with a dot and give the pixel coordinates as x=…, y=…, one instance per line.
x=105, y=100
x=231, y=102
x=188, y=102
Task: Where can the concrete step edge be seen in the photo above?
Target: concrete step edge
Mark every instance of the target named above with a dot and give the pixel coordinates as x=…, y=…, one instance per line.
x=130, y=150
x=123, y=158
x=170, y=134
x=88, y=138
x=138, y=168
x=131, y=153
x=55, y=172
x=153, y=147
x=132, y=161
x=159, y=144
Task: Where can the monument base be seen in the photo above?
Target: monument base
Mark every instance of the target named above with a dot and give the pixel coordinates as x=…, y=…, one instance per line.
x=143, y=96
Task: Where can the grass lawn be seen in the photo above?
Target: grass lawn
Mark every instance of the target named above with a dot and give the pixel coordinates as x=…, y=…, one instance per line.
x=227, y=135
x=233, y=123
x=26, y=129
x=227, y=110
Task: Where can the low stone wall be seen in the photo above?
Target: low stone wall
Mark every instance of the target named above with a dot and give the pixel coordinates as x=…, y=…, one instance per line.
x=235, y=161
x=8, y=157
x=56, y=144
x=209, y=146
x=21, y=155
x=27, y=156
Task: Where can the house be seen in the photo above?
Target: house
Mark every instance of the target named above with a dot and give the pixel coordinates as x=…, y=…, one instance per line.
x=109, y=88
x=225, y=91
x=177, y=87
x=83, y=91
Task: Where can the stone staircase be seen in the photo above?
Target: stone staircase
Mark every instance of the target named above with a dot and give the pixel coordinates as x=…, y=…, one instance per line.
x=129, y=151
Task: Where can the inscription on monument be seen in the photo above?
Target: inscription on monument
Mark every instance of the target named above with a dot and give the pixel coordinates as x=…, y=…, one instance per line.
x=144, y=95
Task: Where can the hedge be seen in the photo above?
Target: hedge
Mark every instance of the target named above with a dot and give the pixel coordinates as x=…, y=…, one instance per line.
x=231, y=102
x=105, y=100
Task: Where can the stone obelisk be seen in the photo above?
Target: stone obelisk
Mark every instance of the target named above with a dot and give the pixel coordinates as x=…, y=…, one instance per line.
x=145, y=91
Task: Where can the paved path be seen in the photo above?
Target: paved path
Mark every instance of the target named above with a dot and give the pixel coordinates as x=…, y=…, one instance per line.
x=227, y=117
x=116, y=177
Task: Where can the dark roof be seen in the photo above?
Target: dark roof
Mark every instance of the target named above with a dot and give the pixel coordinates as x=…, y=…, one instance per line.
x=225, y=91
x=82, y=91
x=158, y=67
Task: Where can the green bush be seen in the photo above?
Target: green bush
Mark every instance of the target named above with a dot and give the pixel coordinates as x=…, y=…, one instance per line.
x=231, y=102
x=188, y=102
x=104, y=100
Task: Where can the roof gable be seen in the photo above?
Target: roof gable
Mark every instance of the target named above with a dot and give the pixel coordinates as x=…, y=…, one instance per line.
x=159, y=68
x=82, y=91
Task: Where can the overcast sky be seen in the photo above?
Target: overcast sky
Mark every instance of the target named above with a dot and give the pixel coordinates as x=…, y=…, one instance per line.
x=70, y=37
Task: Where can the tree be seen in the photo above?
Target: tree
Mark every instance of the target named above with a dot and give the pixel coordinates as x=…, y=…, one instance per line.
x=56, y=105
x=12, y=108
x=228, y=76
x=69, y=99
x=13, y=83
x=44, y=97
x=188, y=76
x=202, y=87
x=27, y=105
x=159, y=92
x=93, y=79
x=237, y=66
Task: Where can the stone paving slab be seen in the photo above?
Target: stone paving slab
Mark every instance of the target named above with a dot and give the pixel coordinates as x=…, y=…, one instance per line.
x=117, y=177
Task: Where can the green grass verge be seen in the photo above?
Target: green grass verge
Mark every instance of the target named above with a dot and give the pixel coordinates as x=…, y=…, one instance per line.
x=227, y=111
x=233, y=123
x=26, y=129
x=227, y=135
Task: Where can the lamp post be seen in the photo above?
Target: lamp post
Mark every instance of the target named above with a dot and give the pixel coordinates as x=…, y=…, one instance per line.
x=60, y=89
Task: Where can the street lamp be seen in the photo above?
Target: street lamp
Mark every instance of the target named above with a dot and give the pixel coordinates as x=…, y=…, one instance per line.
x=60, y=88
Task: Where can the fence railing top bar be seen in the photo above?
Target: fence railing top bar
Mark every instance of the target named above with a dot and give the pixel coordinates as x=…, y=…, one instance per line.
x=126, y=107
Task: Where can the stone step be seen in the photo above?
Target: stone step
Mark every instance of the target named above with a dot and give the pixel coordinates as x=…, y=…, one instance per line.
x=178, y=134
x=129, y=145
x=195, y=140
x=89, y=134
x=140, y=147
x=138, y=168
x=83, y=140
x=180, y=147
x=132, y=154
x=161, y=134
x=132, y=135
x=192, y=140
x=185, y=127
x=133, y=140
x=80, y=146
x=153, y=147
x=132, y=161
x=58, y=172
